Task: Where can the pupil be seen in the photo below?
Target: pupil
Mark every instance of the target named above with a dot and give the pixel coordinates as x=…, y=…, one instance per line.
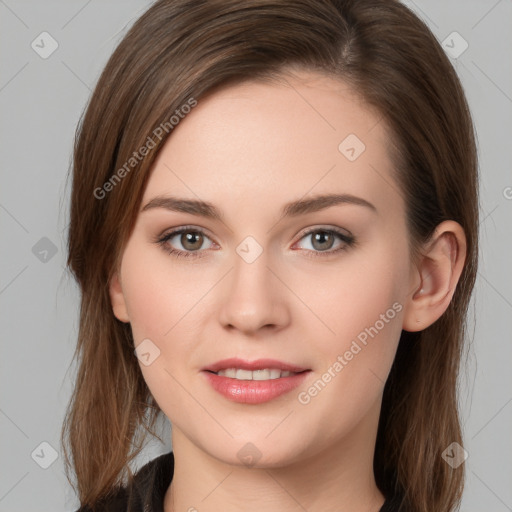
x=321, y=235
x=189, y=240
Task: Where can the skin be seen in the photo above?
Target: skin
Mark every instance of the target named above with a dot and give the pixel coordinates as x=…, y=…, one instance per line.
x=248, y=149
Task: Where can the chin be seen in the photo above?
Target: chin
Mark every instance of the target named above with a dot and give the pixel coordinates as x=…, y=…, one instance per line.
x=256, y=451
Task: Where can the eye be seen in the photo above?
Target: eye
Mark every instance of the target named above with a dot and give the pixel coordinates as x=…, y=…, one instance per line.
x=323, y=239
x=191, y=240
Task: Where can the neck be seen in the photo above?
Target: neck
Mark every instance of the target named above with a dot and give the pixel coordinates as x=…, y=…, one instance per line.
x=338, y=479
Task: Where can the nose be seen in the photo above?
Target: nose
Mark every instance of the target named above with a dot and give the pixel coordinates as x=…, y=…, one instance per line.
x=253, y=297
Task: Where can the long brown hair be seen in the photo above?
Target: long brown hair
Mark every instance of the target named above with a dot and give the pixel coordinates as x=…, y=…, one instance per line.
x=183, y=49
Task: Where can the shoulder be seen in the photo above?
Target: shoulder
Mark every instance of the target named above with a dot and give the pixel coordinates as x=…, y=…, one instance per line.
x=147, y=492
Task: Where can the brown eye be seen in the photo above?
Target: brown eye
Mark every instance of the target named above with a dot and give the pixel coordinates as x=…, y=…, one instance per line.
x=191, y=240
x=185, y=242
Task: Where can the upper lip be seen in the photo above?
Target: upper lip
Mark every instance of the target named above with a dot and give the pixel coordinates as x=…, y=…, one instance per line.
x=258, y=364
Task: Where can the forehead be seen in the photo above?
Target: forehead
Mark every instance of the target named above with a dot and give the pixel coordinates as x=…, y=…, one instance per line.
x=259, y=141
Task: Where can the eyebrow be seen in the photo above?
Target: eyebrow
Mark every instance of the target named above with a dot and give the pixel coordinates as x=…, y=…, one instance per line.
x=291, y=209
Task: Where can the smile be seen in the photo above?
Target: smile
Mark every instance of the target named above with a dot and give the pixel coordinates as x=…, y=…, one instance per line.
x=264, y=374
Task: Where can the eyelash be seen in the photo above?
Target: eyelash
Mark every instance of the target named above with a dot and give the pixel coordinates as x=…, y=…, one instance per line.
x=348, y=241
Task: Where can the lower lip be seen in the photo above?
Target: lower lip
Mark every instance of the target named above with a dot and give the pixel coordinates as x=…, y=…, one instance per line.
x=254, y=391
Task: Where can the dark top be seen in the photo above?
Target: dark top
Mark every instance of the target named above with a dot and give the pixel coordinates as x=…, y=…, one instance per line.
x=150, y=485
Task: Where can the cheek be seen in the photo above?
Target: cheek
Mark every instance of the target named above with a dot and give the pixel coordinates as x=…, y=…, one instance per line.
x=365, y=313
x=363, y=310
x=161, y=302
x=360, y=290
x=158, y=296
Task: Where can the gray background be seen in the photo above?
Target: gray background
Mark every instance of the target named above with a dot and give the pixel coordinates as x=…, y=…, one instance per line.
x=41, y=100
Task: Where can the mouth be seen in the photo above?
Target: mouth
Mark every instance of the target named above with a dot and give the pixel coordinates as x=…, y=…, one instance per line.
x=264, y=374
x=261, y=369
x=253, y=382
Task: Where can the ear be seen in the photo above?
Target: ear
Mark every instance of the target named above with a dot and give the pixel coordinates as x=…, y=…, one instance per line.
x=117, y=299
x=435, y=276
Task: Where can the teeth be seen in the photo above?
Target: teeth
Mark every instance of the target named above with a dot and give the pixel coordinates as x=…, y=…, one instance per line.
x=266, y=374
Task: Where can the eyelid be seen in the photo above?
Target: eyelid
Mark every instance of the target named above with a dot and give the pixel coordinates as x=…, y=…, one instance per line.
x=188, y=227
x=304, y=232
x=325, y=227
x=346, y=236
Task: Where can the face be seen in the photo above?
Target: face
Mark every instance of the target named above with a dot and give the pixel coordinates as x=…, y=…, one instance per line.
x=272, y=272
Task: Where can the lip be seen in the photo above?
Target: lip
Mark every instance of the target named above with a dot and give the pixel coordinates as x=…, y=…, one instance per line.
x=253, y=391
x=258, y=364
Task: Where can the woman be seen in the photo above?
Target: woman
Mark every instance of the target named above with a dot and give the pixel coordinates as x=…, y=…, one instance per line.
x=274, y=228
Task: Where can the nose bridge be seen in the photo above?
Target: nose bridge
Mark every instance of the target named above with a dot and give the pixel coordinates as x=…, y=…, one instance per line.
x=252, y=298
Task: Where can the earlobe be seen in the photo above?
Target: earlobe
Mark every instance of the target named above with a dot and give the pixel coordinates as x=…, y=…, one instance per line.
x=117, y=299
x=438, y=273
